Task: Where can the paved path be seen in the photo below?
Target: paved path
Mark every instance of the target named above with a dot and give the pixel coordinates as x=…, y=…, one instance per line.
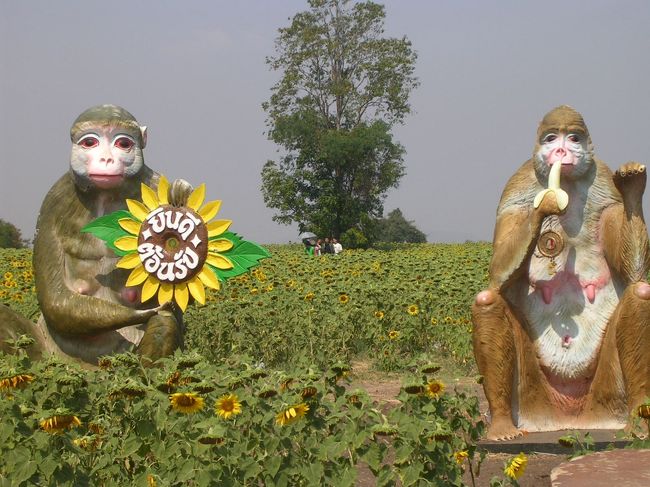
x=616, y=468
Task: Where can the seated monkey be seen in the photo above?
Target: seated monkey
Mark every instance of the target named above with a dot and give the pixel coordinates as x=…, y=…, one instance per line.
x=86, y=309
x=561, y=335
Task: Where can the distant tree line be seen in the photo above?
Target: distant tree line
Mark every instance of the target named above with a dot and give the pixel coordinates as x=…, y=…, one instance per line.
x=10, y=236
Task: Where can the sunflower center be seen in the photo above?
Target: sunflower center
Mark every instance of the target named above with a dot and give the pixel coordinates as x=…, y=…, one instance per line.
x=173, y=243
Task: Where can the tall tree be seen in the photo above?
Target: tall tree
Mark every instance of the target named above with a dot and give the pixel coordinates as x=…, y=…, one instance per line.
x=10, y=236
x=343, y=87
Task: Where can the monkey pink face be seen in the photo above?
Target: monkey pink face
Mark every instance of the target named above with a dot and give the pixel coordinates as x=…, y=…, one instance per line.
x=105, y=155
x=567, y=148
x=570, y=148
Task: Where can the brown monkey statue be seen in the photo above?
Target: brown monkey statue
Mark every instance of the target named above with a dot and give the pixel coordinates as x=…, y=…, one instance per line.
x=86, y=309
x=561, y=336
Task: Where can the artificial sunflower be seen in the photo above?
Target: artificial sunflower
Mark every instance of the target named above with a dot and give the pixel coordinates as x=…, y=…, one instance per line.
x=516, y=467
x=186, y=402
x=228, y=405
x=175, y=251
x=59, y=422
x=434, y=388
x=413, y=310
x=291, y=414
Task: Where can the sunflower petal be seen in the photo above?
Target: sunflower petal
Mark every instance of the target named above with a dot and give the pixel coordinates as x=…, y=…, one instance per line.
x=129, y=261
x=208, y=278
x=137, y=276
x=217, y=227
x=149, y=288
x=165, y=293
x=130, y=226
x=149, y=197
x=210, y=210
x=196, y=198
x=163, y=190
x=196, y=289
x=219, y=261
x=126, y=243
x=137, y=209
x=181, y=295
x=220, y=245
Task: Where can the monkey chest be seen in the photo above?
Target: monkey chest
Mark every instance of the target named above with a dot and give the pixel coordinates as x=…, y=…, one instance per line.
x=89, y=269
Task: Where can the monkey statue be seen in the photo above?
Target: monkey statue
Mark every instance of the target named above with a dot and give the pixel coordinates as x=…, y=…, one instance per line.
x=86, y=309
x=561, y=335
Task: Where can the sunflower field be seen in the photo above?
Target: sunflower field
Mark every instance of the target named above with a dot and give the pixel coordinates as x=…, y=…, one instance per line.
x=262, y=394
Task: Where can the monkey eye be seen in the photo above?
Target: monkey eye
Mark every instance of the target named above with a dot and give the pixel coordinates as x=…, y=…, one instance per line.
x=124, y=143
x=88, y=141
x=549, y=138
x=574, y=138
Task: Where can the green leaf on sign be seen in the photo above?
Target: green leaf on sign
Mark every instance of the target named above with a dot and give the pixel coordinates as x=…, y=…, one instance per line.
x=244, y=255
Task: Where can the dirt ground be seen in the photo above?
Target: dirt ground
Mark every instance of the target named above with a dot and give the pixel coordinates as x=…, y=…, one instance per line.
x=384, y=388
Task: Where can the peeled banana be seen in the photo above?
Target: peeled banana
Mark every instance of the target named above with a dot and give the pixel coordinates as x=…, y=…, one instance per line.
x=561, y=196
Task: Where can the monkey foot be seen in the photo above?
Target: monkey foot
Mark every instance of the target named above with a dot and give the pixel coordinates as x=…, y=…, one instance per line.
x=503, y=431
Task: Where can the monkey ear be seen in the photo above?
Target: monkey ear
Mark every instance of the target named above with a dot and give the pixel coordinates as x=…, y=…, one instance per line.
x=143, y=131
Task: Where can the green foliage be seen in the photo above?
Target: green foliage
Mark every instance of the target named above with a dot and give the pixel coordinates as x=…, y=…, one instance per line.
x=353, y=238
x=292, y=303
x=10, y=236
x=118, y=426
x=396, y=228
x=342, y=89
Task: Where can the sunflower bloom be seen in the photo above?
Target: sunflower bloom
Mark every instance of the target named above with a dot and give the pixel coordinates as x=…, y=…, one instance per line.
x=379, y=315
x=344, y=298
x=435, y=388
x=186, y=402
x=516, y=467
x=393, y=334
x=228, y=405
x=413, y=310
x=59, y=423
x=461, y=456
x=16, y=381
x=291, y=414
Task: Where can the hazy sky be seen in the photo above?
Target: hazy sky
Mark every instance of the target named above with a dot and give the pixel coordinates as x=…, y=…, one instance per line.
x=194, y=72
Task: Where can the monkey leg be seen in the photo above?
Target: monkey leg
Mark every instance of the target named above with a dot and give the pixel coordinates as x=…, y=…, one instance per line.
x=163, y=336
x=618, y=391
x=514, y=384
x=12, y=325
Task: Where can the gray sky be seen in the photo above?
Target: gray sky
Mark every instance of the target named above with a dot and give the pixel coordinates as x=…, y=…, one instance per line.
x=194, y=73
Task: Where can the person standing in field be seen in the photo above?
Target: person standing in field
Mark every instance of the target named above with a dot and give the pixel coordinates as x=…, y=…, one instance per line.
x=336, y=246
x=327, y=247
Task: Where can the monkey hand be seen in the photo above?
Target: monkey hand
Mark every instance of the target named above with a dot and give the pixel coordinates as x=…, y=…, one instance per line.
x=179, y=191
x=630, y=180
x=548, y=203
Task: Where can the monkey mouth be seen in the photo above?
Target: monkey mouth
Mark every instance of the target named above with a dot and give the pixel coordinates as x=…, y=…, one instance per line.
x=105, y=181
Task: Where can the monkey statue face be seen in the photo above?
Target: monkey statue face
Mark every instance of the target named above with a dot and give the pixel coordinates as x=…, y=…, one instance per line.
x=563, y=136
x=107, y=145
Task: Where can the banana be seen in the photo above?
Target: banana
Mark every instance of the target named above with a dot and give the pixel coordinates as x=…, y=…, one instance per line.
x=561, y=196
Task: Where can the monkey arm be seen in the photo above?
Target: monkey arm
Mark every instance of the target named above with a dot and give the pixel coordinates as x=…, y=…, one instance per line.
x=515, y=237
x=623, y=230
x=68, y=312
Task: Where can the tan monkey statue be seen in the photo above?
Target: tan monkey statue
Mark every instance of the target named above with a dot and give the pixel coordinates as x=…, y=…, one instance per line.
x=562, y=334
x=86, y=309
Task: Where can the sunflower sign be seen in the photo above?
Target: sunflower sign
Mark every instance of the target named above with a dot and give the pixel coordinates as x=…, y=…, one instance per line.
x=175, y=251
